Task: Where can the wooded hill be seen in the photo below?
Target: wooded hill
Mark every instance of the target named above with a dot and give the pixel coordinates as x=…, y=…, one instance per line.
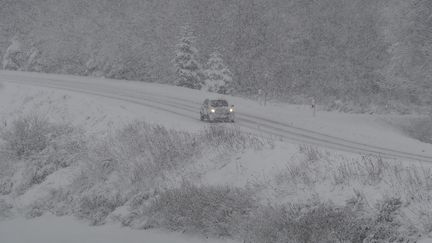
x=348, y=54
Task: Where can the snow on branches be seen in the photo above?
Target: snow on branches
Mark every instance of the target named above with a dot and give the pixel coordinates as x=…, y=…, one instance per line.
x=218, y=76
x=187, y=67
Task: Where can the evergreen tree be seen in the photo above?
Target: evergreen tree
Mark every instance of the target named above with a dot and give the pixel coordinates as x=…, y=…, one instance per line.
x=218, y=76
x=188, y=69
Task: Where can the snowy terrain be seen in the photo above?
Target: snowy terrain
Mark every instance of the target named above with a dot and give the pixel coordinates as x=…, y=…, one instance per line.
x=348, y=132
x=68, y=230
x=100, y=106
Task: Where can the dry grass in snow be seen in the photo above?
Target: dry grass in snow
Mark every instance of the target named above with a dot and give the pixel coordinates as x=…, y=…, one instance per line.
x=132, y=175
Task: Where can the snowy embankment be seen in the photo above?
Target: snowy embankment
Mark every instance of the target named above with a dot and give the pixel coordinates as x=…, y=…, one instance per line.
x=181, y=184
x=69, y=230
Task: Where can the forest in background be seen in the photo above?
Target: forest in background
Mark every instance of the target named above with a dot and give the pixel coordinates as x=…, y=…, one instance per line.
x=349, y=55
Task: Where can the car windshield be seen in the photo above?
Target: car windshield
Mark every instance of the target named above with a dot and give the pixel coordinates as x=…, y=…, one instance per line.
x=218, y=103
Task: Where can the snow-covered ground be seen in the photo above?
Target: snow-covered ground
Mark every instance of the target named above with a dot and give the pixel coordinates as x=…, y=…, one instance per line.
x=98, y=113
x=178, y=107
x=49, y=228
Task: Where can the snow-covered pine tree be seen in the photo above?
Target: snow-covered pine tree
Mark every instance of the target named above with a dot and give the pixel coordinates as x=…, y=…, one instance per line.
x=188, y=69
x=218, y=76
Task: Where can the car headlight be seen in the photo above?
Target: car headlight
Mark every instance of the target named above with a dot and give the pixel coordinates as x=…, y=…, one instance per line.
x=212, y=110
x=231, y=110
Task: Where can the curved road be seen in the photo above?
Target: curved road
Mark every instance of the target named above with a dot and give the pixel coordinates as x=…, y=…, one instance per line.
x=188, y=109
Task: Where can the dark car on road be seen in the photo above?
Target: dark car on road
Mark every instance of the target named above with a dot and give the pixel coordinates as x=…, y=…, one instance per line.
x=216, y=110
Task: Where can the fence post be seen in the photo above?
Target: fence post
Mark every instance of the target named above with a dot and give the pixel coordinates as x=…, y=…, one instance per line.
x=313, y=106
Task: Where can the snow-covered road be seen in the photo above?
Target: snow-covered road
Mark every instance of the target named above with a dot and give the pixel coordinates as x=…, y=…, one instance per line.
x=270, y=121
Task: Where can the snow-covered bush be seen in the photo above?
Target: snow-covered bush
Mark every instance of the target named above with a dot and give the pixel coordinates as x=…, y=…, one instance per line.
x=14, y=57
x=143, y=153
x=43, y=147
x=312, y=153
x=5, y=209
x=208, y=210
x=6, y=185
x=128, y=162
x=97, y=203
x=6, y=172
x=367, y=170
x=139, y=159
x=323, y=222
x=303, y=223
x=21, y=56
x=27, y=136
x=386, y=221
x=231, y=138
x=420, y=129
x=150, y=149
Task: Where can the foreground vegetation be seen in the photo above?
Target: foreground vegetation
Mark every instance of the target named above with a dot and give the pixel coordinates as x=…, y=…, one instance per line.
x=140, y=176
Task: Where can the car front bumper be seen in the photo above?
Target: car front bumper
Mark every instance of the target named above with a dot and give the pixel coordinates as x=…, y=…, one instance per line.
x=222, y=116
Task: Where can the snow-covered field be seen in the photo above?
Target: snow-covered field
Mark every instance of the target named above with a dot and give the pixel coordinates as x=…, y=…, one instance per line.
x=280, y=173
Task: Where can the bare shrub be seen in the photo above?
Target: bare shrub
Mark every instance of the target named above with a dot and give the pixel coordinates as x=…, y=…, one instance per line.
x=144, y=153
x=297, y=174
x=231, y=138
x=140, y=154
x=28, y=135
x=386, y=224
x=35, y=209
x=324, y=222
x=372, y=169
x=387, y=209
x=154, y=145
x=211, y=210
x=369, y=170
x=43, y=147
x=141, y=157
x=134, y=158
x=307, y=172
x=312, y=153
x=97, y=203
x=5, y=209
x=6, y=185
x=426, y=220
x=6, y=172
x=318, y=222
x=59, y=201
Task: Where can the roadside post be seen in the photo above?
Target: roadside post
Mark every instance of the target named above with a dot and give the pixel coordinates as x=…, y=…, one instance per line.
x=313, y=106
